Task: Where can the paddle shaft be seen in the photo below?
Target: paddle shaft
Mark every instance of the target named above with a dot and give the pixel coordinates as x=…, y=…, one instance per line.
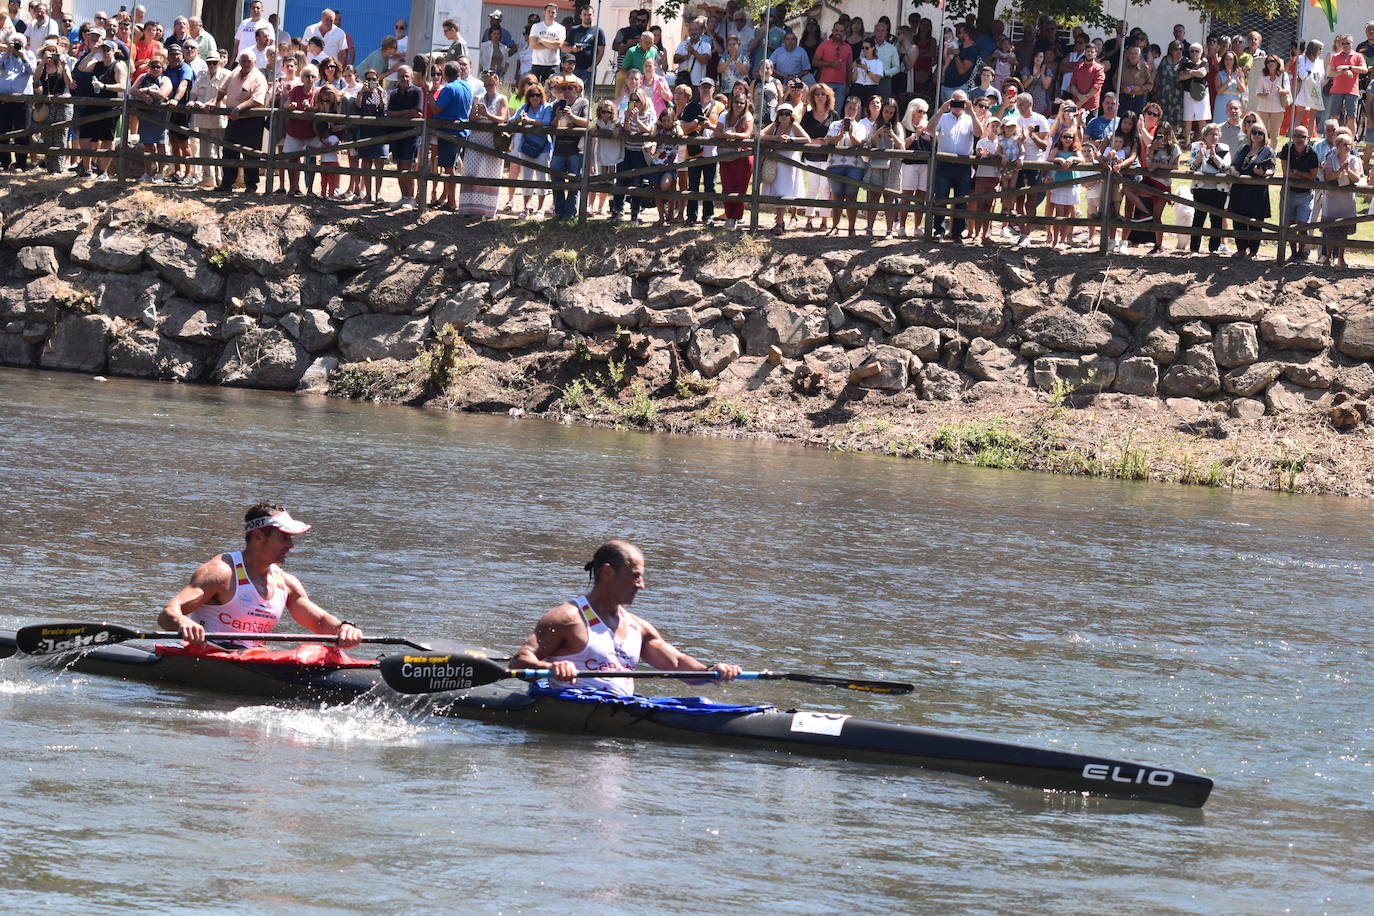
x=460, y=671
x=532, y=674
x=47, y=638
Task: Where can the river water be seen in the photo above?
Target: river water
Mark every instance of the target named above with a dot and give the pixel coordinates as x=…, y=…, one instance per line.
x=1222, y=633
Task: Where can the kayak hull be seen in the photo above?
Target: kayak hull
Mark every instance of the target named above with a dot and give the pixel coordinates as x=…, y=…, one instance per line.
x=793, y=732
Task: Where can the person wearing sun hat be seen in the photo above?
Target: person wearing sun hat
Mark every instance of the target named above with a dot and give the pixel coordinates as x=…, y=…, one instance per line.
x=246, y=591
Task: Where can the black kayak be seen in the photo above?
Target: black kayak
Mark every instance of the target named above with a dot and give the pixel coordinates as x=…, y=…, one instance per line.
x=809, y=734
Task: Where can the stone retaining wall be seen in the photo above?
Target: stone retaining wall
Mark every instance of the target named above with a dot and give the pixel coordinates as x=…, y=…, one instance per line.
x=273, y=300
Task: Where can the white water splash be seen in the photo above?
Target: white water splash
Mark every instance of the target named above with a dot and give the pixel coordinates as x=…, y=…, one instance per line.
x=22, y=688
x=361, y=722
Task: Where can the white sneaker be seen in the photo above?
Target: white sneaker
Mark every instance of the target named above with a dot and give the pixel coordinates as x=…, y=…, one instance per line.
x=1006, y=232
x=1023, y=241
x=1224, y=249
x=407, y=203
x=730, y=224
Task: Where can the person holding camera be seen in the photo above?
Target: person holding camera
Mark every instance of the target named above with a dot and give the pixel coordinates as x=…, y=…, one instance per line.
x=699, y=119
x=16, y=78
x=53, y=78
x=954, y=135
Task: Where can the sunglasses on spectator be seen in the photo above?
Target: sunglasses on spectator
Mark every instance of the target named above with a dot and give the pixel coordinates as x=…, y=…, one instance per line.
x=1257, y=133
x=983, y=105
x=331, y=66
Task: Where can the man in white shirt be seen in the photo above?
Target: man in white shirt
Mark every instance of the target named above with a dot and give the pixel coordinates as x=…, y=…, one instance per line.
x=546, y=43
x=42, y=26
x=333, y=37
x=693, y=53
x=1035, y=132
x=955, y=133
x=243, y=37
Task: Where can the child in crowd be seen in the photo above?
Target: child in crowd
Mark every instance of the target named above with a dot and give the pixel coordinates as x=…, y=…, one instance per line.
x=665, y=155
x=1092, y=191
x=1064, y=201
x=1011, y=150
x=327, y=103
x=610, y=149
x=1003, y=61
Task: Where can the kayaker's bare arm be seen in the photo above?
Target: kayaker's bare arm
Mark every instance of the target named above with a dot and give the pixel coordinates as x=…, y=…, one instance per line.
x=558, y=632
x=315, y=618
x=211, y=583
x=657, y=652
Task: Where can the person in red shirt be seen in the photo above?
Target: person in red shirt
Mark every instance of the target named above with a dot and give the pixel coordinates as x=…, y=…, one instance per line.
x=832, y=61
x=1345, y=69
x=1086, y=82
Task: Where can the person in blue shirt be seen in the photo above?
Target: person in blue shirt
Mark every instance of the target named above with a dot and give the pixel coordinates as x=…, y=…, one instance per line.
x=533, y=148
x=16, y=78
x=790, y=61
x=1101, y=128
x=454, y=103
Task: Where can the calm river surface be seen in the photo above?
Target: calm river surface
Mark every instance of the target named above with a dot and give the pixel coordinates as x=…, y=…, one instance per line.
x=1225, y=634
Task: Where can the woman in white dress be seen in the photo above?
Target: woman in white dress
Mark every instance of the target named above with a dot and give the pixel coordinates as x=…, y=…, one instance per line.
x=784, y=180
x=489, y=107
x=1311, y=74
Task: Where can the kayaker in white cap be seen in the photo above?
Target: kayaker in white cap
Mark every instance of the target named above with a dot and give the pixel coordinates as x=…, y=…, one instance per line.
x=246, y=591
x=597, y=632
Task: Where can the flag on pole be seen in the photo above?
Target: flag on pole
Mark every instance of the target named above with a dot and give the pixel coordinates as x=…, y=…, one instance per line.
x=1329, y=8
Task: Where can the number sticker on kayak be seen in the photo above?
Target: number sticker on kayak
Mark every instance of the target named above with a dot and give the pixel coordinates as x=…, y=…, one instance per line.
x=817, y=723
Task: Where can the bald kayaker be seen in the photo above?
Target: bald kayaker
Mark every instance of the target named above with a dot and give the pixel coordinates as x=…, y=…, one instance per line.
x=597, y=632
x=246, y=591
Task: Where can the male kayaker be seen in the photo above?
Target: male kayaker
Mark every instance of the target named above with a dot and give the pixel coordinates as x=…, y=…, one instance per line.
x=246, y=591
x=597, y=632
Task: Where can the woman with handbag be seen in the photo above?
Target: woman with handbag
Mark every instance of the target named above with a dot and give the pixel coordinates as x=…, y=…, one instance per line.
x=530, y=147
x=1309, y=76
x=777, y=177
x=53, y=78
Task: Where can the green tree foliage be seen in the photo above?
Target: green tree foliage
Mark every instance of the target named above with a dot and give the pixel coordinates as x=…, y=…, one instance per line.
x=1106, y=14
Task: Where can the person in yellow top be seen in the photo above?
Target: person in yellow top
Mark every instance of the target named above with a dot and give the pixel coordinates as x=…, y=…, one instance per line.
x=247, y=591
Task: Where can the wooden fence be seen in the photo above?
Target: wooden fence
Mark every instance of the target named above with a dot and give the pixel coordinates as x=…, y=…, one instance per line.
x=1116, y=185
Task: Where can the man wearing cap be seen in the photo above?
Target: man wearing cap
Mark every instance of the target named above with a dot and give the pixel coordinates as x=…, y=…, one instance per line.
x=494, y=22
x=699, y=118
x=246, y=591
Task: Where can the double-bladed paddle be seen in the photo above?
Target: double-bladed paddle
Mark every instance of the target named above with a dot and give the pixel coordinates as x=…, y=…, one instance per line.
x=49, y=638
x=462, y=670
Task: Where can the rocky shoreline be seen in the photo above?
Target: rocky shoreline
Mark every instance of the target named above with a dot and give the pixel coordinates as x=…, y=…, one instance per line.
x=1194, y=370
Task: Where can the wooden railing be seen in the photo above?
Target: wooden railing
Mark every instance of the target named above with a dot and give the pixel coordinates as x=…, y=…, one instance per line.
x=930, y=211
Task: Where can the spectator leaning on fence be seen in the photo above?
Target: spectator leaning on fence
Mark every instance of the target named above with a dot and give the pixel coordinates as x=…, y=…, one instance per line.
x=244, y=93
x=1300, y=163
x=16, y=78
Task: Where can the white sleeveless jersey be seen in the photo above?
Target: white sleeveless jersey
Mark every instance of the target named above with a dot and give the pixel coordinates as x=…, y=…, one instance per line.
x=247, y=611
x=604, y=652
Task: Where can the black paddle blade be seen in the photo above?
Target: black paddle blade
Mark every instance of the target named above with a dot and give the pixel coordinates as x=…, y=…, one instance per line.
x=436, y=673
x=48, y=638
x=890, y=687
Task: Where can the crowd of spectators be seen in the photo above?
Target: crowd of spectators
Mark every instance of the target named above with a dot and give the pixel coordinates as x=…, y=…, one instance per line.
x=848, y=104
